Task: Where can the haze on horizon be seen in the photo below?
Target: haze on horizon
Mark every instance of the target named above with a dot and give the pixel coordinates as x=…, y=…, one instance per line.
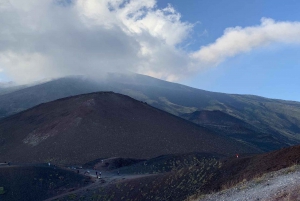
x=56, y=38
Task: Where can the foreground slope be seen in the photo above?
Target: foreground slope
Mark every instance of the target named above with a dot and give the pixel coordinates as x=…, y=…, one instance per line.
x=282, y=185
x=37, y=182
x=100, y=125
x=169, y=177
x=255, y=177
x=177, y=177
x=268, y=176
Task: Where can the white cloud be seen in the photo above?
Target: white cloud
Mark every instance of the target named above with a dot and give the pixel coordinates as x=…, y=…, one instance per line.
x=50, y=38
x=239, y=40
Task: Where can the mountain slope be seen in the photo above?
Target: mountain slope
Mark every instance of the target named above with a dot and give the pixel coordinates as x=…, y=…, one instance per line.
x=83, y=128
x=235, y=128
x=182, y=175
x=277, y=118
x=37, y=182
x=234, y=171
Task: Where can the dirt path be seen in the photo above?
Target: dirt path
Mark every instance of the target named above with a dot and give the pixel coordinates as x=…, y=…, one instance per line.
x=266, y=188
x=107, y=178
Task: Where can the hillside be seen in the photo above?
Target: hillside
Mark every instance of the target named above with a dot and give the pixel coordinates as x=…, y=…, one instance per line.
x=257, y=177
x=276, y=118
x=220, y=174
x=37, y=182
x=83, y=128
x=235, y=128
x=233, y=171
x=282, y=185
x=170, y=177
x=192, y=176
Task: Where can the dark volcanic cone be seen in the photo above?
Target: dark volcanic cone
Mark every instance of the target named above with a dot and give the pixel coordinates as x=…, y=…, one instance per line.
x=86, y=127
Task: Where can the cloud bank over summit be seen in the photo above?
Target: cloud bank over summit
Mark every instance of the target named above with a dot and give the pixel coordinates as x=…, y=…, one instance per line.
x=57, y=38
x=53, y=38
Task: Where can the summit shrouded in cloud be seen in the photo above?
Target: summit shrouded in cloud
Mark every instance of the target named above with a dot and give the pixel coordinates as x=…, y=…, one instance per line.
x=57, y=38
x=54, y=38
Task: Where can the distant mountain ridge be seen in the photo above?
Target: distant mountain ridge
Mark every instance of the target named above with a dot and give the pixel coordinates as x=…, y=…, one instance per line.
x=276, y=118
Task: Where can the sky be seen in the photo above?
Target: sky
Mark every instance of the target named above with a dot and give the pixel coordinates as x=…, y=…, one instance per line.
x=230, y=46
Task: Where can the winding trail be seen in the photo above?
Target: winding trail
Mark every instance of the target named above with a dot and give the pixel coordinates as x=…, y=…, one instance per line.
x=107, y=178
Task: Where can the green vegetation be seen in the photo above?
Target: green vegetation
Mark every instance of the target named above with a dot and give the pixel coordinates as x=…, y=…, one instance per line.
x=2, y=191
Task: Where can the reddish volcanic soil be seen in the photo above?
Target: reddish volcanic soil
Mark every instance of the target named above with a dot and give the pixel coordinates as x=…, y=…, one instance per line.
x=83, y=128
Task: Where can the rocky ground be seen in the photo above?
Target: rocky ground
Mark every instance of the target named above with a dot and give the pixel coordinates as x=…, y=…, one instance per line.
x=274, y=186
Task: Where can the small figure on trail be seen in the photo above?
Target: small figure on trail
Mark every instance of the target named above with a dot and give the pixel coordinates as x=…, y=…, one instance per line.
x=49, y=164
x=237, y=156
x=96, y=173
x=100, y=174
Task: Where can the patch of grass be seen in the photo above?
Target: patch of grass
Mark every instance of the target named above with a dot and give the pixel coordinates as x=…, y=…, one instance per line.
x=259, y=179
x=228, y=184
x=196, y=197
x=292, y=169
x=2, y=191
